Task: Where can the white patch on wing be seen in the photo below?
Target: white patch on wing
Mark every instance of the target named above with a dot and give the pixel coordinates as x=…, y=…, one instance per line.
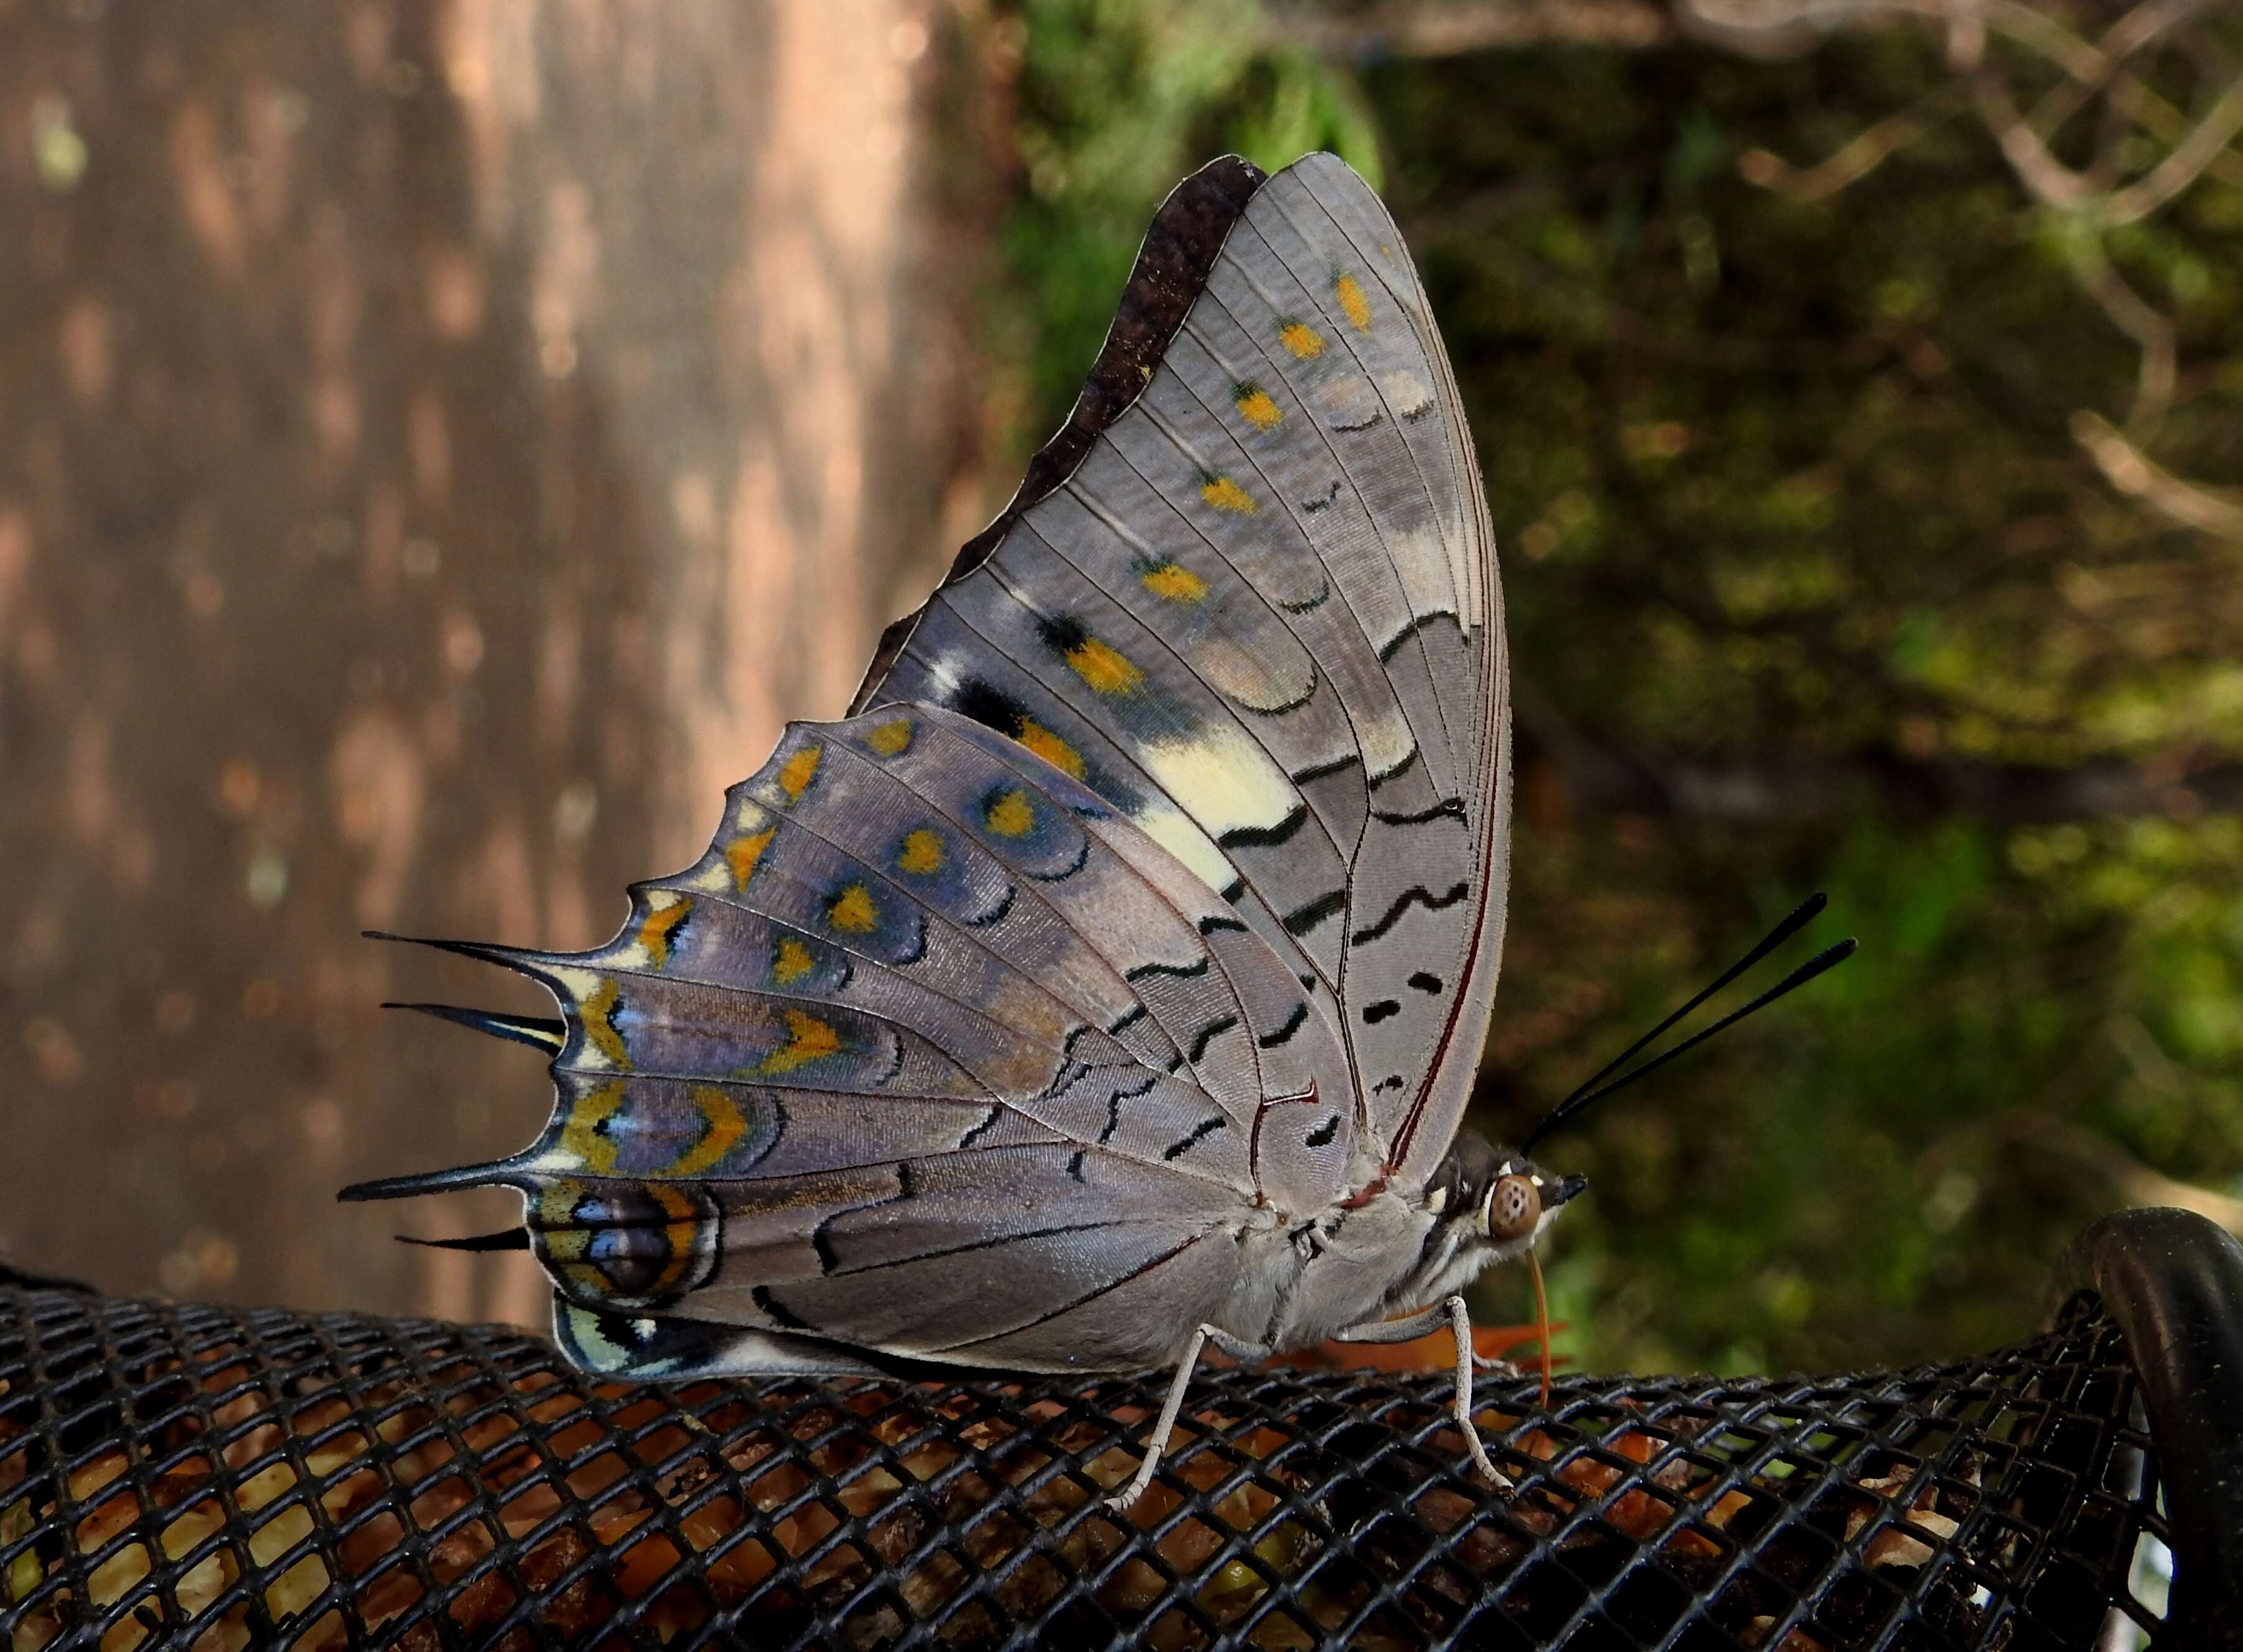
x=947, y=671
x=1175, y=831
x=1429, y=570
x=1406, y=393
x=1222, y=779
x=1386, y=741
x=1348, y=403
x=1245, y=677
x=579, y=984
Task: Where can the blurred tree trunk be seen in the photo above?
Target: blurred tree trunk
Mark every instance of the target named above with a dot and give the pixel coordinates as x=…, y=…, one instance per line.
x=439, y=442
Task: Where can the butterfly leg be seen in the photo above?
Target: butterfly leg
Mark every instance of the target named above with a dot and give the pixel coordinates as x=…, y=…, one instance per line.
x=1156, y=1443
x=1459, y=1324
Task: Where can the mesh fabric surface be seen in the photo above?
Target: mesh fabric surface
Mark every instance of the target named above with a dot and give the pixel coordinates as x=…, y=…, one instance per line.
x=221, y=1477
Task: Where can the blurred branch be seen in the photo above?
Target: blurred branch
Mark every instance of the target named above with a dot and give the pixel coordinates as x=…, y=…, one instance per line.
x=2084, y=198
x=2141, y=321
x=1791, y=790
x=2135, y=1182
x=1431, y=29
x=2128, y=469
x=1857, y=159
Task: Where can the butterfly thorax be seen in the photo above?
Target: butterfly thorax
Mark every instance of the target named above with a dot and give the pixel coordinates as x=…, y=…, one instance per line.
x=1392, y=1253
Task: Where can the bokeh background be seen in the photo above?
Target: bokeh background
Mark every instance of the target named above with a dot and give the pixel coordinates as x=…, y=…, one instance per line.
x=441, y=440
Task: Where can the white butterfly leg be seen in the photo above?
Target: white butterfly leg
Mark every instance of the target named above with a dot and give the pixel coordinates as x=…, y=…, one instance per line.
x=1459, y=1323
x=1156, y=1443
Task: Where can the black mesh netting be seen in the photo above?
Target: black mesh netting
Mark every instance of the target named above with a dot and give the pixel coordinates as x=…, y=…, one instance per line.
x=219, y=1477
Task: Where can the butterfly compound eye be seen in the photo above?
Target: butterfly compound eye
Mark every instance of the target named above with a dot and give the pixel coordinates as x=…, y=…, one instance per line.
x=1514, y=1206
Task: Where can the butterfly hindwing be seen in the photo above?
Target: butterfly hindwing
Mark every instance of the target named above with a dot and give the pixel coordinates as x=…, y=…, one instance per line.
x=930, y=1023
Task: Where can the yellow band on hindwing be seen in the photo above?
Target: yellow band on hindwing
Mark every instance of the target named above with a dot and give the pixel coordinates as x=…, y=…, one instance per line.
x=597, y=1011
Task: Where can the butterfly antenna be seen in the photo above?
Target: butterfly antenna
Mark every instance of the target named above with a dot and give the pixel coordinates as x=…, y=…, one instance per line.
x=1595, y=1087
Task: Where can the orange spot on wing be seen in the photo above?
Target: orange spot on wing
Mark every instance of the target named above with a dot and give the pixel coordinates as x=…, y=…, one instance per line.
x=797, y=773
x=853, y=910
x=1102, y=668
x=1173, y=582
x=1012, y=815
x=1349, y=291
x=1225, y=495
x=891, y=739
x=1258, y=408
x=792, y=962
x=1304, y=340
x=921, y=853
x=808, y=1040
x=1048, y=746
x=742, y=853
x=659, y=932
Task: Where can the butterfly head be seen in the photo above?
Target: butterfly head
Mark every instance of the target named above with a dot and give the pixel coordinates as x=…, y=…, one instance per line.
x=1521, y=1198
x=1495, y=1201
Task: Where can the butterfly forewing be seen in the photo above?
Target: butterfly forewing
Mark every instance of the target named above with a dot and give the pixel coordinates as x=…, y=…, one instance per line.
x=1260, y=617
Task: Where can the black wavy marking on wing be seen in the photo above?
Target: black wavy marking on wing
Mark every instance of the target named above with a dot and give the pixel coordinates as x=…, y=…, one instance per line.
x=1213, y=922
x=996, y=912
x=1065, y=873
x=1324, y=771
x=917, y=950
x=1183, y=972
x=820, y=1242
x=1208, y=1034
x=1205, y=1129
x=1395, y=643
x=1128, y=1018
x=1284, y=1035
x=1113, y=1107
x=896, y=1039
x=1397, y=771
x=1310, y=605
x=1312, y=506
x=1454, y=806
x=1282, y=707
x=974, y=1135
x=1180, y=249
x=777, y=1312
x=1305, y=918
x=1267, y=837
x=1417, y=895
x=1321, y=1135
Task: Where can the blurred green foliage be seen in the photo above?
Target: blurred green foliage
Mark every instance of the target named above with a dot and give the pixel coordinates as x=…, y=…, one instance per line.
x=1785, y=487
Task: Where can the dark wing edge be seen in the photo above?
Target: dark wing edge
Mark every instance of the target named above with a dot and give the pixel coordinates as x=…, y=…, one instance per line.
x=1180, y=248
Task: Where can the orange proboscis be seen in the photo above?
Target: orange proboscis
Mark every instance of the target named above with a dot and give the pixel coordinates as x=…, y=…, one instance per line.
x=1432, y=1351
x=1541, y=1320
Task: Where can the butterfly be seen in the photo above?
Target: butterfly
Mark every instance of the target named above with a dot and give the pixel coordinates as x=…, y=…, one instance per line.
x=1111, y=980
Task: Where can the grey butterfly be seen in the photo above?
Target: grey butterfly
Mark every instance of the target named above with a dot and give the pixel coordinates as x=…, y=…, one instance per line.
x=1111, y=982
